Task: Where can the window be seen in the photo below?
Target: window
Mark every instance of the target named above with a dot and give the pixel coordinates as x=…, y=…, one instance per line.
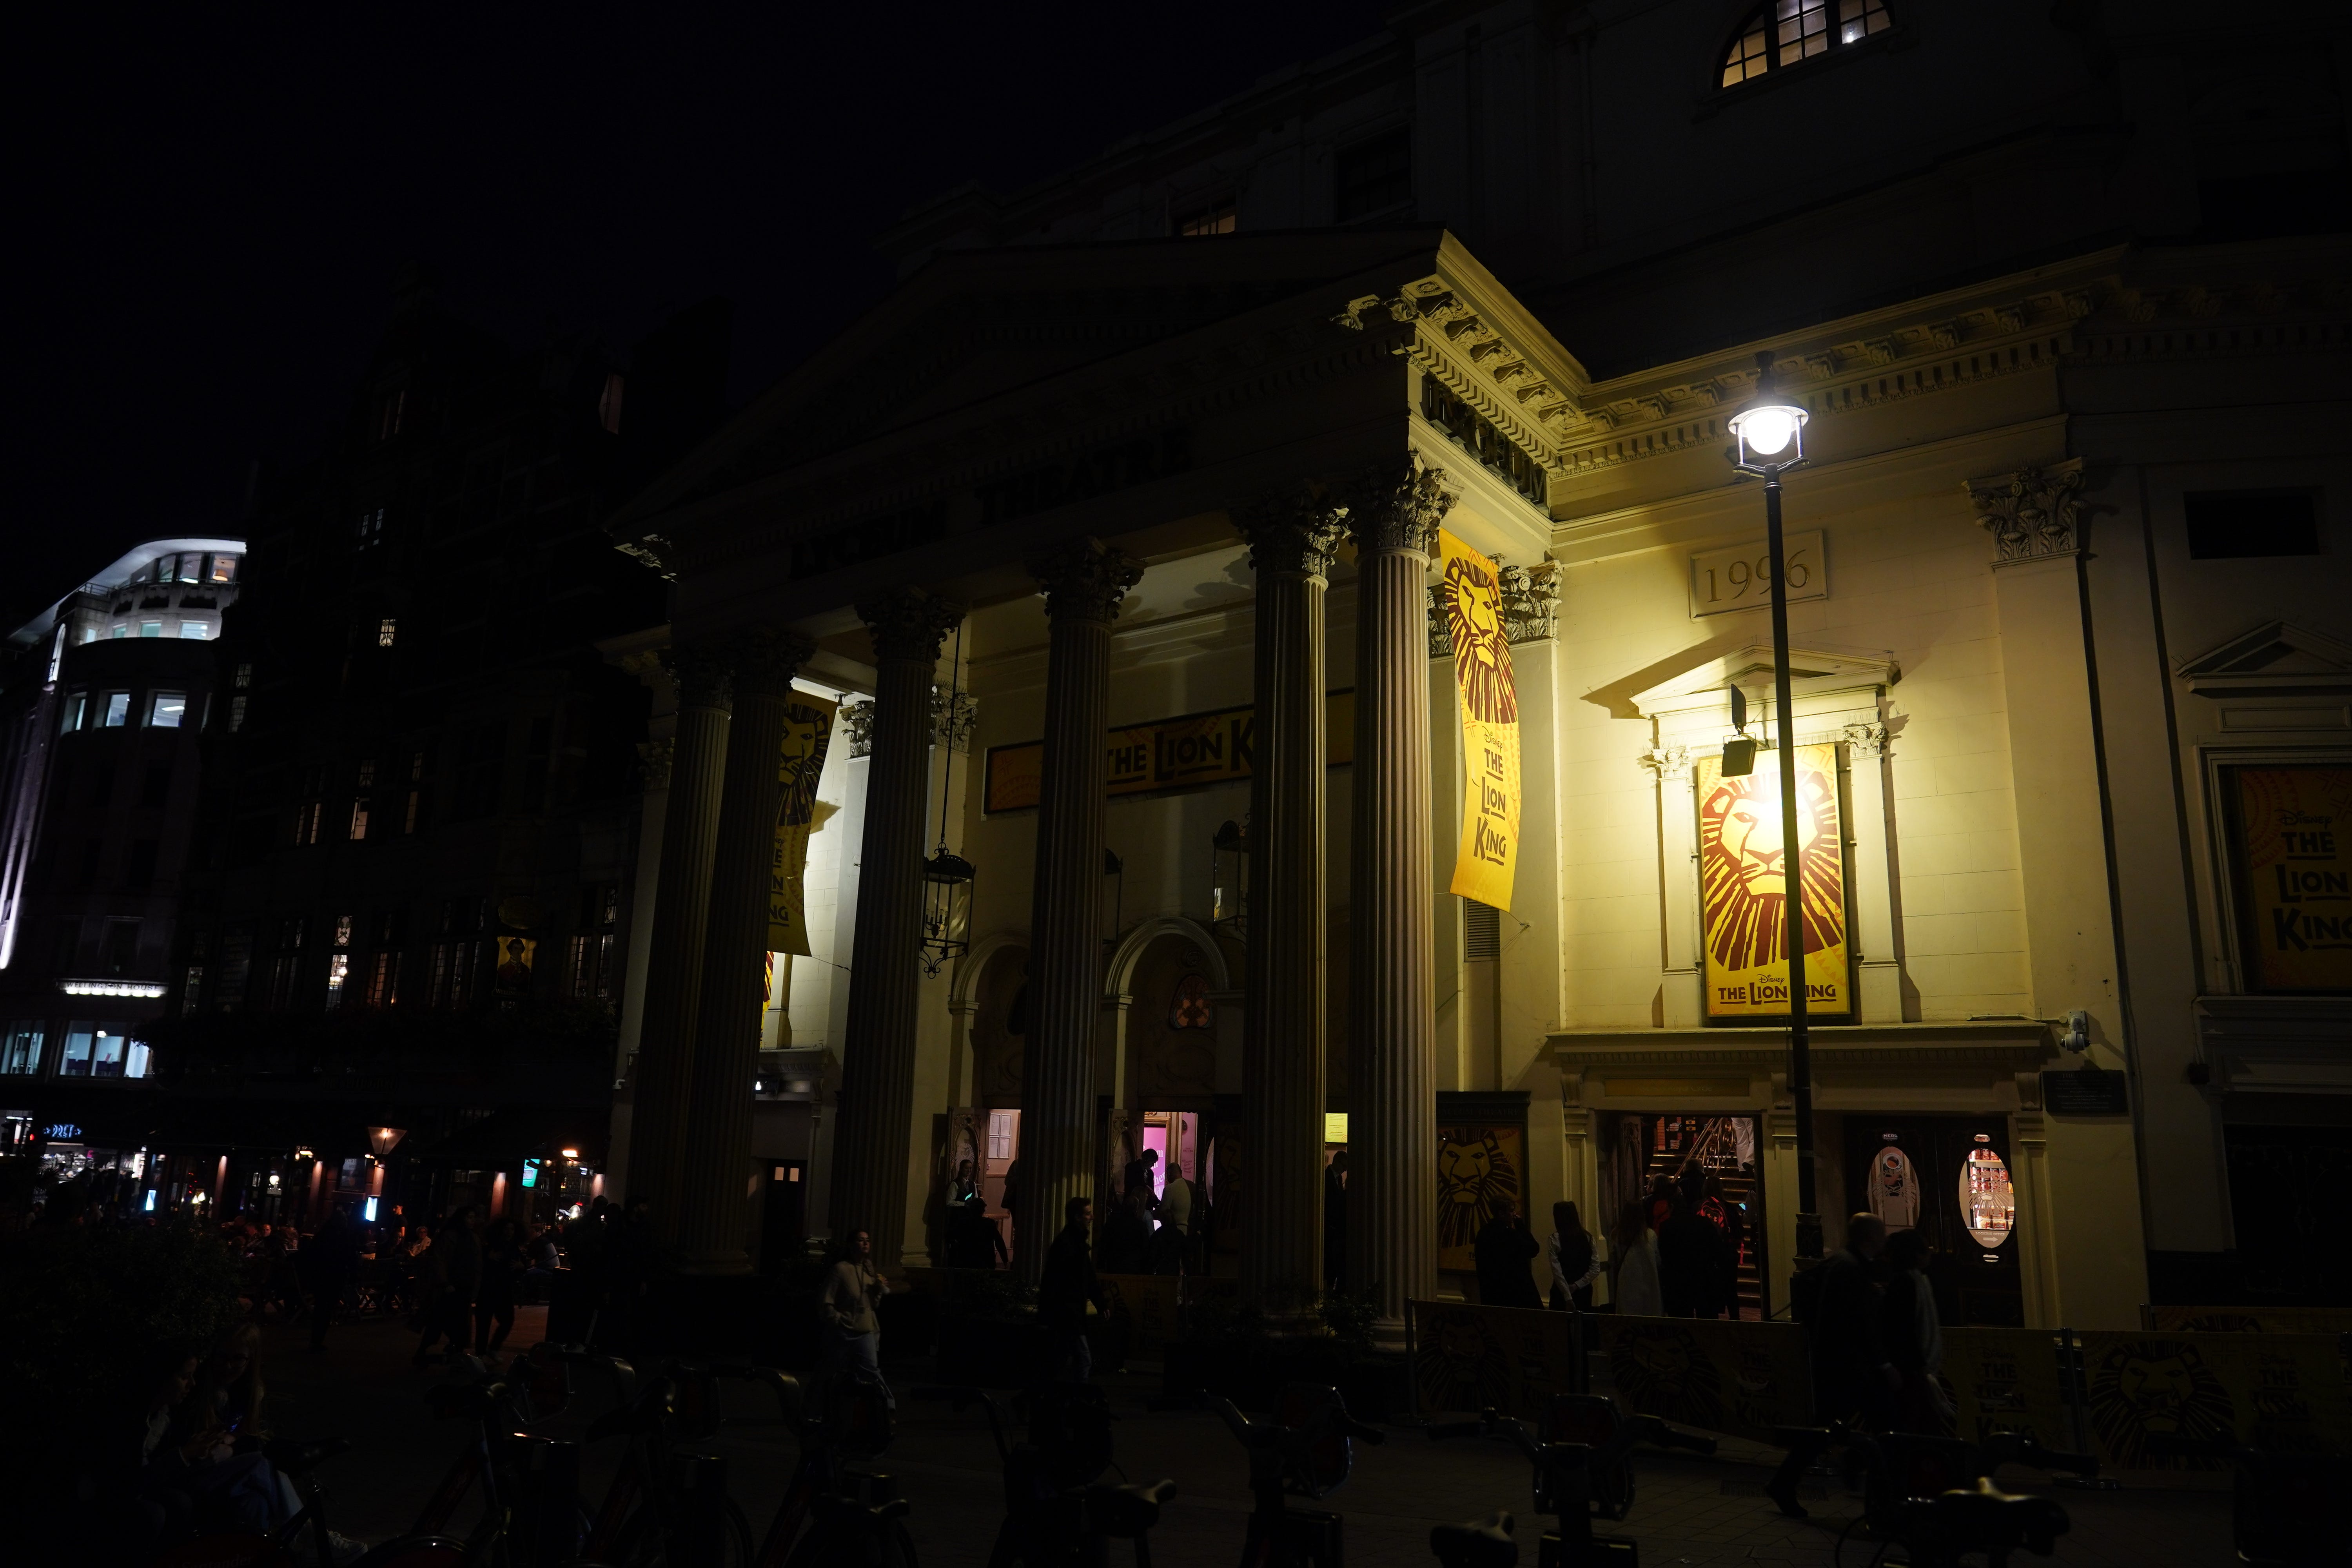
x=118, y=710
x=608, y=405
x=368, y=532
x=224, y=569
x=167, y=710
x=195, y=631
x=1212, y=218
x=20, y=1049
x=76, y=710
x=360, y=803
x=383, y=980
x=120, y=630
x=1374, y=175
x=193, y=990
x=80, y=1038
x=236, y=712
x=453, y=975
x=151, y=628
x=2242, y=524
x=1780, y=33
x=339, y=969
x=384, y=631
x=592, y=975
x=1003, y=1132
x=342, y=931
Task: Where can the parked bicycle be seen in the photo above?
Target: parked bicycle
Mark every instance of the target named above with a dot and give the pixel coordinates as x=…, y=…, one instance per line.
x=1306, y=1449
x=1058, y=1509
x=1580, y=1468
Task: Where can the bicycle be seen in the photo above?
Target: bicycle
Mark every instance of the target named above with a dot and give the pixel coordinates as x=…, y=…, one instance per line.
x=1307, y=1448
x=1600, y=1442
x=1934, y=1497
x=1058, y=1509
x=1480, y=1543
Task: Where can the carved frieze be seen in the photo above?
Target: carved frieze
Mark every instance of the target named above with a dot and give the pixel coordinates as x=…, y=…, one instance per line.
x=2034, y=517
x=766, y=661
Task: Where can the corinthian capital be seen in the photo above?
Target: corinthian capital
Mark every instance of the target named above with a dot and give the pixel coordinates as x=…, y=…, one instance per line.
x=908, y=624
x=1085, y=579
x=765, y=661
x=1293, y=533
x=2035, y=515
x=1531, y=601
x=1397, y=507
x=705, y=675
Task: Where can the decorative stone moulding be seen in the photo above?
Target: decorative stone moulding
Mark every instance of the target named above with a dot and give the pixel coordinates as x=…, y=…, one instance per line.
x=857, y=723
x=2035, y=516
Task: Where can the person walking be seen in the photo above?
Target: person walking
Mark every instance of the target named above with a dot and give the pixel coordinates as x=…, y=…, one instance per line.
x=1069, y=1284
x=849, y=1305
x=452, y=1268
x=494, y=1297
x=1690, y=1262
x=1175, y=1236
x=1501, y=1250
x=1853, y=1374
x=1914, y=1337
x=1574, y=1260
x=1335, y=1221
x=1633, y=1285
x=1009, y=1200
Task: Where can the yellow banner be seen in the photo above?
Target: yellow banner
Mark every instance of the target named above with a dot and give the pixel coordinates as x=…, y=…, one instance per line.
x=1184, y=753
x=2294, y=827
x=1470, y=596
x=808, y=729
x=1741, y=887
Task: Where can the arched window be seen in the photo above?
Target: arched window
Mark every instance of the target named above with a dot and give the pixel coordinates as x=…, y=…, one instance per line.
x=1780, y=33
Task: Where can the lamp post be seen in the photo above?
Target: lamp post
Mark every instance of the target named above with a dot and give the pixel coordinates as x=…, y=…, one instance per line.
x=1771, y=433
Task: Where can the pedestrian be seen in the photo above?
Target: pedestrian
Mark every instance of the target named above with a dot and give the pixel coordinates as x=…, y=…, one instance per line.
x=333, y=1262
x=451, y=1268
x=1175, y=1236
x=1853, y=1374
x=494, y=1296
x=1634, y=1260
x=1914, y=1337
x=1010, y=1198
x=973, y=1240
x=1335, y=1221
x=1690, y=1262
x=849, y=1305
x=1661, y=1200
x=1069, y=1286
x=1502, y=1249
x=1575, y=1261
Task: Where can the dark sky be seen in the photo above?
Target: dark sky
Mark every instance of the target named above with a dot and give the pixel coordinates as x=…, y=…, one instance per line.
x=206, y=210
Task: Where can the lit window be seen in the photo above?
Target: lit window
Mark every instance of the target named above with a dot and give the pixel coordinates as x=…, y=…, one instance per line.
x=80, y=1038
x=151, y=628
x=1215, y=217
x=167, y=711
x=20, y=1049
x=77, y=709
x=384, y=631
x=342, y=931
x=236, y=712
x=195, y=631
x=224, y=569
x=117, y=710
x=191, y=568
x=120, y=630
x=339, y=969
x=1781, y=33
x=244, y=676
x=135, y=1059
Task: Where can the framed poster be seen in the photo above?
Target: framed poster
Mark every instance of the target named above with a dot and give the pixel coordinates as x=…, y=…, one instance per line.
x=2290, y=831
x=1741, y=898
x=1479, y=1169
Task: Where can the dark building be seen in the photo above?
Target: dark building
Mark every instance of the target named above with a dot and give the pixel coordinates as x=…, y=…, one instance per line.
x=108, y=695
x=410, y=916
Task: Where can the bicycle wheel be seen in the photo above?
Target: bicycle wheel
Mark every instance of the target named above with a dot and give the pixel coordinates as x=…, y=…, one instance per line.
x=641, y=1544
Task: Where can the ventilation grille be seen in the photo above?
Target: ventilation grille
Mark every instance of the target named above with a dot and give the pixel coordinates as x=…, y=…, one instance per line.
x=1482, y=932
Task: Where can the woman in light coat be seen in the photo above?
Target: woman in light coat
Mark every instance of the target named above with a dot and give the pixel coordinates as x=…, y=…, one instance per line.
x=1634, y=1264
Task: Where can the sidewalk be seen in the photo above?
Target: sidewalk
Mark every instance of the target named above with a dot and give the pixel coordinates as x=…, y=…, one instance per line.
x=1690, y=1513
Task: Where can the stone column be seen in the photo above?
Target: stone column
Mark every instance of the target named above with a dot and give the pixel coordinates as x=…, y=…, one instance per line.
x=870, y=1154
x=674, y=960
x=1682, y=999
x=713, y=1199
x=1084, y=582
x=1292, y=540
x=1392, y=1070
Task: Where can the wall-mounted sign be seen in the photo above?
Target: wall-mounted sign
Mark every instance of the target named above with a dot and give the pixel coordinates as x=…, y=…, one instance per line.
x=1183, y=753
x=2292, y=843
x=1741, y=898
x=1740, y=577
x=2089, y=1092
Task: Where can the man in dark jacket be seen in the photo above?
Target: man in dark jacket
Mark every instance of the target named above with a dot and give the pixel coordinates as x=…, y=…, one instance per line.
x=1853, y=1374
x=1069, y=1283
x=1502, y=1251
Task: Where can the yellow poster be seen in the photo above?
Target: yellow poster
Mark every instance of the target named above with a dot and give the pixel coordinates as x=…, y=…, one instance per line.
x=1741, y=887
x=1470, y=594
x=808, y=729
x=1478, y=1171
x=2295, y=854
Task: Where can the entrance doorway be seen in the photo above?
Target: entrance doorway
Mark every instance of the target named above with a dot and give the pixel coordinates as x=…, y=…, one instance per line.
x=999, y=1146
x=1949, y=1177
x=1642, y=1151
x=783, y=1215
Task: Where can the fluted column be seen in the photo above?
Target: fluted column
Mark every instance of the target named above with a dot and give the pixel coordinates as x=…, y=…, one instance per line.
x=1391, y=1027
x=1084, y=582
x=714, y=1198
x=877, y=1091
x=663, y=1086
x=1291, y=541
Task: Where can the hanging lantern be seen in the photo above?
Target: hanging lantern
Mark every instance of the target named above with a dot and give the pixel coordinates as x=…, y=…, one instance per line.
x=947, y=911
x=1229, y=881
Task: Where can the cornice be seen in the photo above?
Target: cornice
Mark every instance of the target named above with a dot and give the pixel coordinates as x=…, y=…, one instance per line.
x=2018, y=1044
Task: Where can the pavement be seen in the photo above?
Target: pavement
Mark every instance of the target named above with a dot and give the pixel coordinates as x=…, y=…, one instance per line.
x=1689, y=1512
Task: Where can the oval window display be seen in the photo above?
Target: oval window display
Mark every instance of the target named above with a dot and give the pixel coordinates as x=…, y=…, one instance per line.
x=1986, y=1204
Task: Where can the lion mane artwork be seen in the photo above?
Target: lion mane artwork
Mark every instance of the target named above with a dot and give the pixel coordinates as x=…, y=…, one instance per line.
x=1458, y=1365
x=1470, y=605
x=2143, y=1388
x=1477, y=1173
x=1741, y=891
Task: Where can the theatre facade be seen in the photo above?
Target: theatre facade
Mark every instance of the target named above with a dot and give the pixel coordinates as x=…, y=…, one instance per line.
x=1084, y=711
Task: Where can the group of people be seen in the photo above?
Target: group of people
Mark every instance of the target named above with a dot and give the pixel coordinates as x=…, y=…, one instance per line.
x=1503, y=1251
x=1676, y=1252
x=1159, y=1225
x=1877, y=1343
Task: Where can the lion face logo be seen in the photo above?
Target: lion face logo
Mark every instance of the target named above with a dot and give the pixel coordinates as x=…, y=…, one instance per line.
x=1741, y=860
x=1457, y=1366
x=1475, y=1179
x=1663, y=1372
x=2145, y=1388
x=1482, y=658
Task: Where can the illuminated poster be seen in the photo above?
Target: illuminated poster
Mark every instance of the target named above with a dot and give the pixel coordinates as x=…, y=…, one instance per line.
x=2295, y=876
x=1477, y=1173
x=1470, y=594
x=808, y=727
x=1741, y=887
x=515, y=955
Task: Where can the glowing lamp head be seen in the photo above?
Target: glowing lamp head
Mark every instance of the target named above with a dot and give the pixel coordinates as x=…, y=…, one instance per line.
x=1772, y=422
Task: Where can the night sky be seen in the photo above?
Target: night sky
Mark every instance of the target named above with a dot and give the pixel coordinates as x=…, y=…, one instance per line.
x=207, y=210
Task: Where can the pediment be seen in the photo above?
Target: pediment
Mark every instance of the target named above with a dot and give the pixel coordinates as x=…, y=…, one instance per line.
x=2275, y=658
x=1696, y=679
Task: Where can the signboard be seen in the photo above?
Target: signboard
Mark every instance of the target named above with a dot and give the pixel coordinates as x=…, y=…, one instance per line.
x=1183, y=753
x=1470, y=596
x=1471, y=1358
x=2089, y=1092
x=808, y=729
x=2006, y=1379
x=1741, y=891
x=1740, y=577
x=1741, y=1378
x=2292, y=832
x=1479, y=1169
x=2284, y=1394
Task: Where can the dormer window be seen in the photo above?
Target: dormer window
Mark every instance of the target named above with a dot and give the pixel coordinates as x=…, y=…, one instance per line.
x=1782, y=33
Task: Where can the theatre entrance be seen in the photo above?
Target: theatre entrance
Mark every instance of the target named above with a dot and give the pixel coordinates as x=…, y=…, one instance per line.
x=1639, y=1152
x=1948, y=1176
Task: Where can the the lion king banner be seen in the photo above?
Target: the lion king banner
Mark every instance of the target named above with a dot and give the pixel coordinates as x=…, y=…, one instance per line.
x=808, y=727
x=1470, y=594
x=2006, y=1379
x=1742, y=896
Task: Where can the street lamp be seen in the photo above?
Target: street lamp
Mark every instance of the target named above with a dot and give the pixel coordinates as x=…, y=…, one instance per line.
x=1771, y=435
